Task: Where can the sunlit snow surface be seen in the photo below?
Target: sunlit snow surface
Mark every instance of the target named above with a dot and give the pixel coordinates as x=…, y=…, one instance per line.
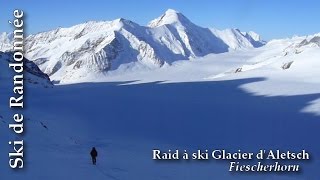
x=197, y=104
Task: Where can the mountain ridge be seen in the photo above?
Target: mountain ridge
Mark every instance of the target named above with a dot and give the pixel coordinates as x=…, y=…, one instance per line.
x=100, y=46
x=33, y=75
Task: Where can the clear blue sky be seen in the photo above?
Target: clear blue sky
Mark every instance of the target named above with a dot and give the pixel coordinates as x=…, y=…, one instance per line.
x=270, y=18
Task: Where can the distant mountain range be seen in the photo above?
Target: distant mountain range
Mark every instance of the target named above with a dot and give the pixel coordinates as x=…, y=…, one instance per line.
x=98, y=47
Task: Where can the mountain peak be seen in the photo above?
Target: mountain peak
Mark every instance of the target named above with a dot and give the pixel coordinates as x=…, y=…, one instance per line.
x=171, y=11
x=6, y=35
x=123, y=20
x=254, y=36
x=171, y=16
x=6, y=41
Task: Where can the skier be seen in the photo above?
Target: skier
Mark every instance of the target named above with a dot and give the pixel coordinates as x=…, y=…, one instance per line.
x=94, y=155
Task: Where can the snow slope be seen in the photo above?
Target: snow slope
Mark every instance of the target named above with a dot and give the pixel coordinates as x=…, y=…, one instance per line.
x=94, y=48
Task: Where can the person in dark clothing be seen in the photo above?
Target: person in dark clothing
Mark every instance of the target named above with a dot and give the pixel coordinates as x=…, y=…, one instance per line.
x=94, y=155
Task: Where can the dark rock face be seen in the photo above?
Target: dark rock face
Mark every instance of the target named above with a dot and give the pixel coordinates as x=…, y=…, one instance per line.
x=31, y=71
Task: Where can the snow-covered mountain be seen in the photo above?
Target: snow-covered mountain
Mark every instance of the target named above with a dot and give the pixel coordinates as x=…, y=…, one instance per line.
x=5, y=41
x=97, y=47
x=32, y=75
x=301, y=45
x=254, y=38
x=282, y=54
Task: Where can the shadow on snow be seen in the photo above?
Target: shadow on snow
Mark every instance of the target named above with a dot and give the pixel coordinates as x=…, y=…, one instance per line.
x=203, y=115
